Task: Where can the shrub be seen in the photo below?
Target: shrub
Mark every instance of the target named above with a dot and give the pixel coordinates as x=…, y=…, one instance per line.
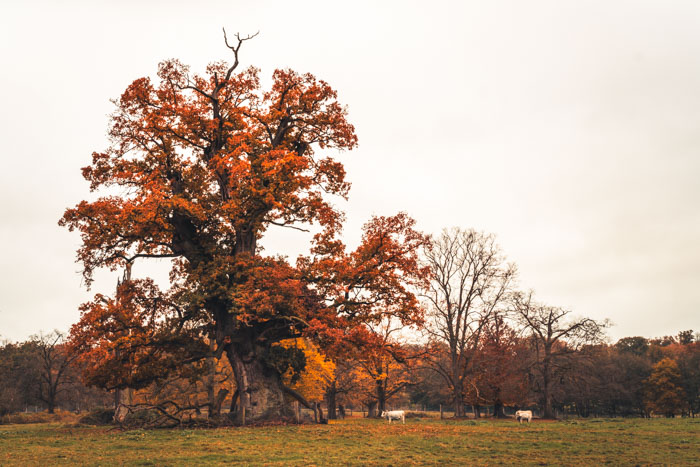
x=98, y=417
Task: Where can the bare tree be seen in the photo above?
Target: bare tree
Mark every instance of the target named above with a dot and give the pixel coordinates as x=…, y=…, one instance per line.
x=55, y=361
x=554, y=334
x=469, y=282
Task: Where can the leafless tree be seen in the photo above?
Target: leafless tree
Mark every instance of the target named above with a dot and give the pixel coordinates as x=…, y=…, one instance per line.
x=470, y=281
x=554, y=334
x=54, y=361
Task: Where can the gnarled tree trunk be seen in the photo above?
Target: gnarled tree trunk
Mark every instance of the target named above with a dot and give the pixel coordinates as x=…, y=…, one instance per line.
x=122, y=399
x=260, y=389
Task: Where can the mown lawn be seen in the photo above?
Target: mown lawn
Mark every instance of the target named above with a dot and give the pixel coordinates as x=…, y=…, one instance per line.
x=364, y=442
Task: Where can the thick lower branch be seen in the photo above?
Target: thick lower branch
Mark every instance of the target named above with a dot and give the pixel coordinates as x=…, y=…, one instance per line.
x=298, y=397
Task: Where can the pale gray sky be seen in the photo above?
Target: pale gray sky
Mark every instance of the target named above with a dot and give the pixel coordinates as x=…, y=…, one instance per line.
x=570, y=129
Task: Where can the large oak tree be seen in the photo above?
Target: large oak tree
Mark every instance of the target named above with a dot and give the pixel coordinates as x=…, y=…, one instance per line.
x=199, y=167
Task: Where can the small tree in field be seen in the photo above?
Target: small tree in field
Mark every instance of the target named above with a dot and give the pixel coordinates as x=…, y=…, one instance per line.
x=387, y=364
x=343, y=387
x=664, y=391
x=199, y=167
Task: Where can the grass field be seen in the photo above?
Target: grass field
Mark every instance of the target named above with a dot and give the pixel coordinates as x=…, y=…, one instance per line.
x=364, y=442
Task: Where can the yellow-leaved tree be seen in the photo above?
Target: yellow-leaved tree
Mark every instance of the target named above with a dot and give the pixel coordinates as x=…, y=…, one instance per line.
x=664, y=391
x=318, y=371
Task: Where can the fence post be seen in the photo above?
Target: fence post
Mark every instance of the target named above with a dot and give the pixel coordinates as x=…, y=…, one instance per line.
x=440, y=411
x=243, y=415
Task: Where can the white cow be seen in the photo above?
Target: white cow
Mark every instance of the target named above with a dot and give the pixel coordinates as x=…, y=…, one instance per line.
x=395, y=415
x=521, y=415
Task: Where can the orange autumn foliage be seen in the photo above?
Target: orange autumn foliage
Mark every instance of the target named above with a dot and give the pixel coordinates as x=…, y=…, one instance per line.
x=199, y=167
x=194, y=394
x=128, y=341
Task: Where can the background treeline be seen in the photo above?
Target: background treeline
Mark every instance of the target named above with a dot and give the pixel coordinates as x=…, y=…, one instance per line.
x=635, y=376
x=41, y=374
x=479, y=346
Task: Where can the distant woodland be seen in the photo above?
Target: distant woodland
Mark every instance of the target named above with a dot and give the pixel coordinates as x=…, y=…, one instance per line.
x=635, y=377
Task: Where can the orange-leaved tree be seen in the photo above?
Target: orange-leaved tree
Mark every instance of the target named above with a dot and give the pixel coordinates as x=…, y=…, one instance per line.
x=500, y=373
x=387, y=366
x=203, y=165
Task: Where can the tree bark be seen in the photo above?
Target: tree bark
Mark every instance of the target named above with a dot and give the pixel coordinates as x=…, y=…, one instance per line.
x=234, y=402
x=498, y=411
x=331, y=395
x=122, y=398
x=458, y=396
x=548, y=413
x=259, y=387
x=372, y=410
x=319, y=410
x=215, y=409
x=210, y=381
x=51, y=397
x=381, y=396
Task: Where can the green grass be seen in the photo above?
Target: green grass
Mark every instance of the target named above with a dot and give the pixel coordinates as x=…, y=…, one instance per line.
x=363, y=442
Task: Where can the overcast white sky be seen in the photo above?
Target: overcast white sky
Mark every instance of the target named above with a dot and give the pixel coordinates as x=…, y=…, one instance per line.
x=570, y=129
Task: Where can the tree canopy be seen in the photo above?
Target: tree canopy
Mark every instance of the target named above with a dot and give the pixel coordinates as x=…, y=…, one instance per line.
x=199, y=167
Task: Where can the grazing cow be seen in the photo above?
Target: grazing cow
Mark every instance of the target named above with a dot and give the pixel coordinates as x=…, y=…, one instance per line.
x=395, y=415
x=521, y=415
